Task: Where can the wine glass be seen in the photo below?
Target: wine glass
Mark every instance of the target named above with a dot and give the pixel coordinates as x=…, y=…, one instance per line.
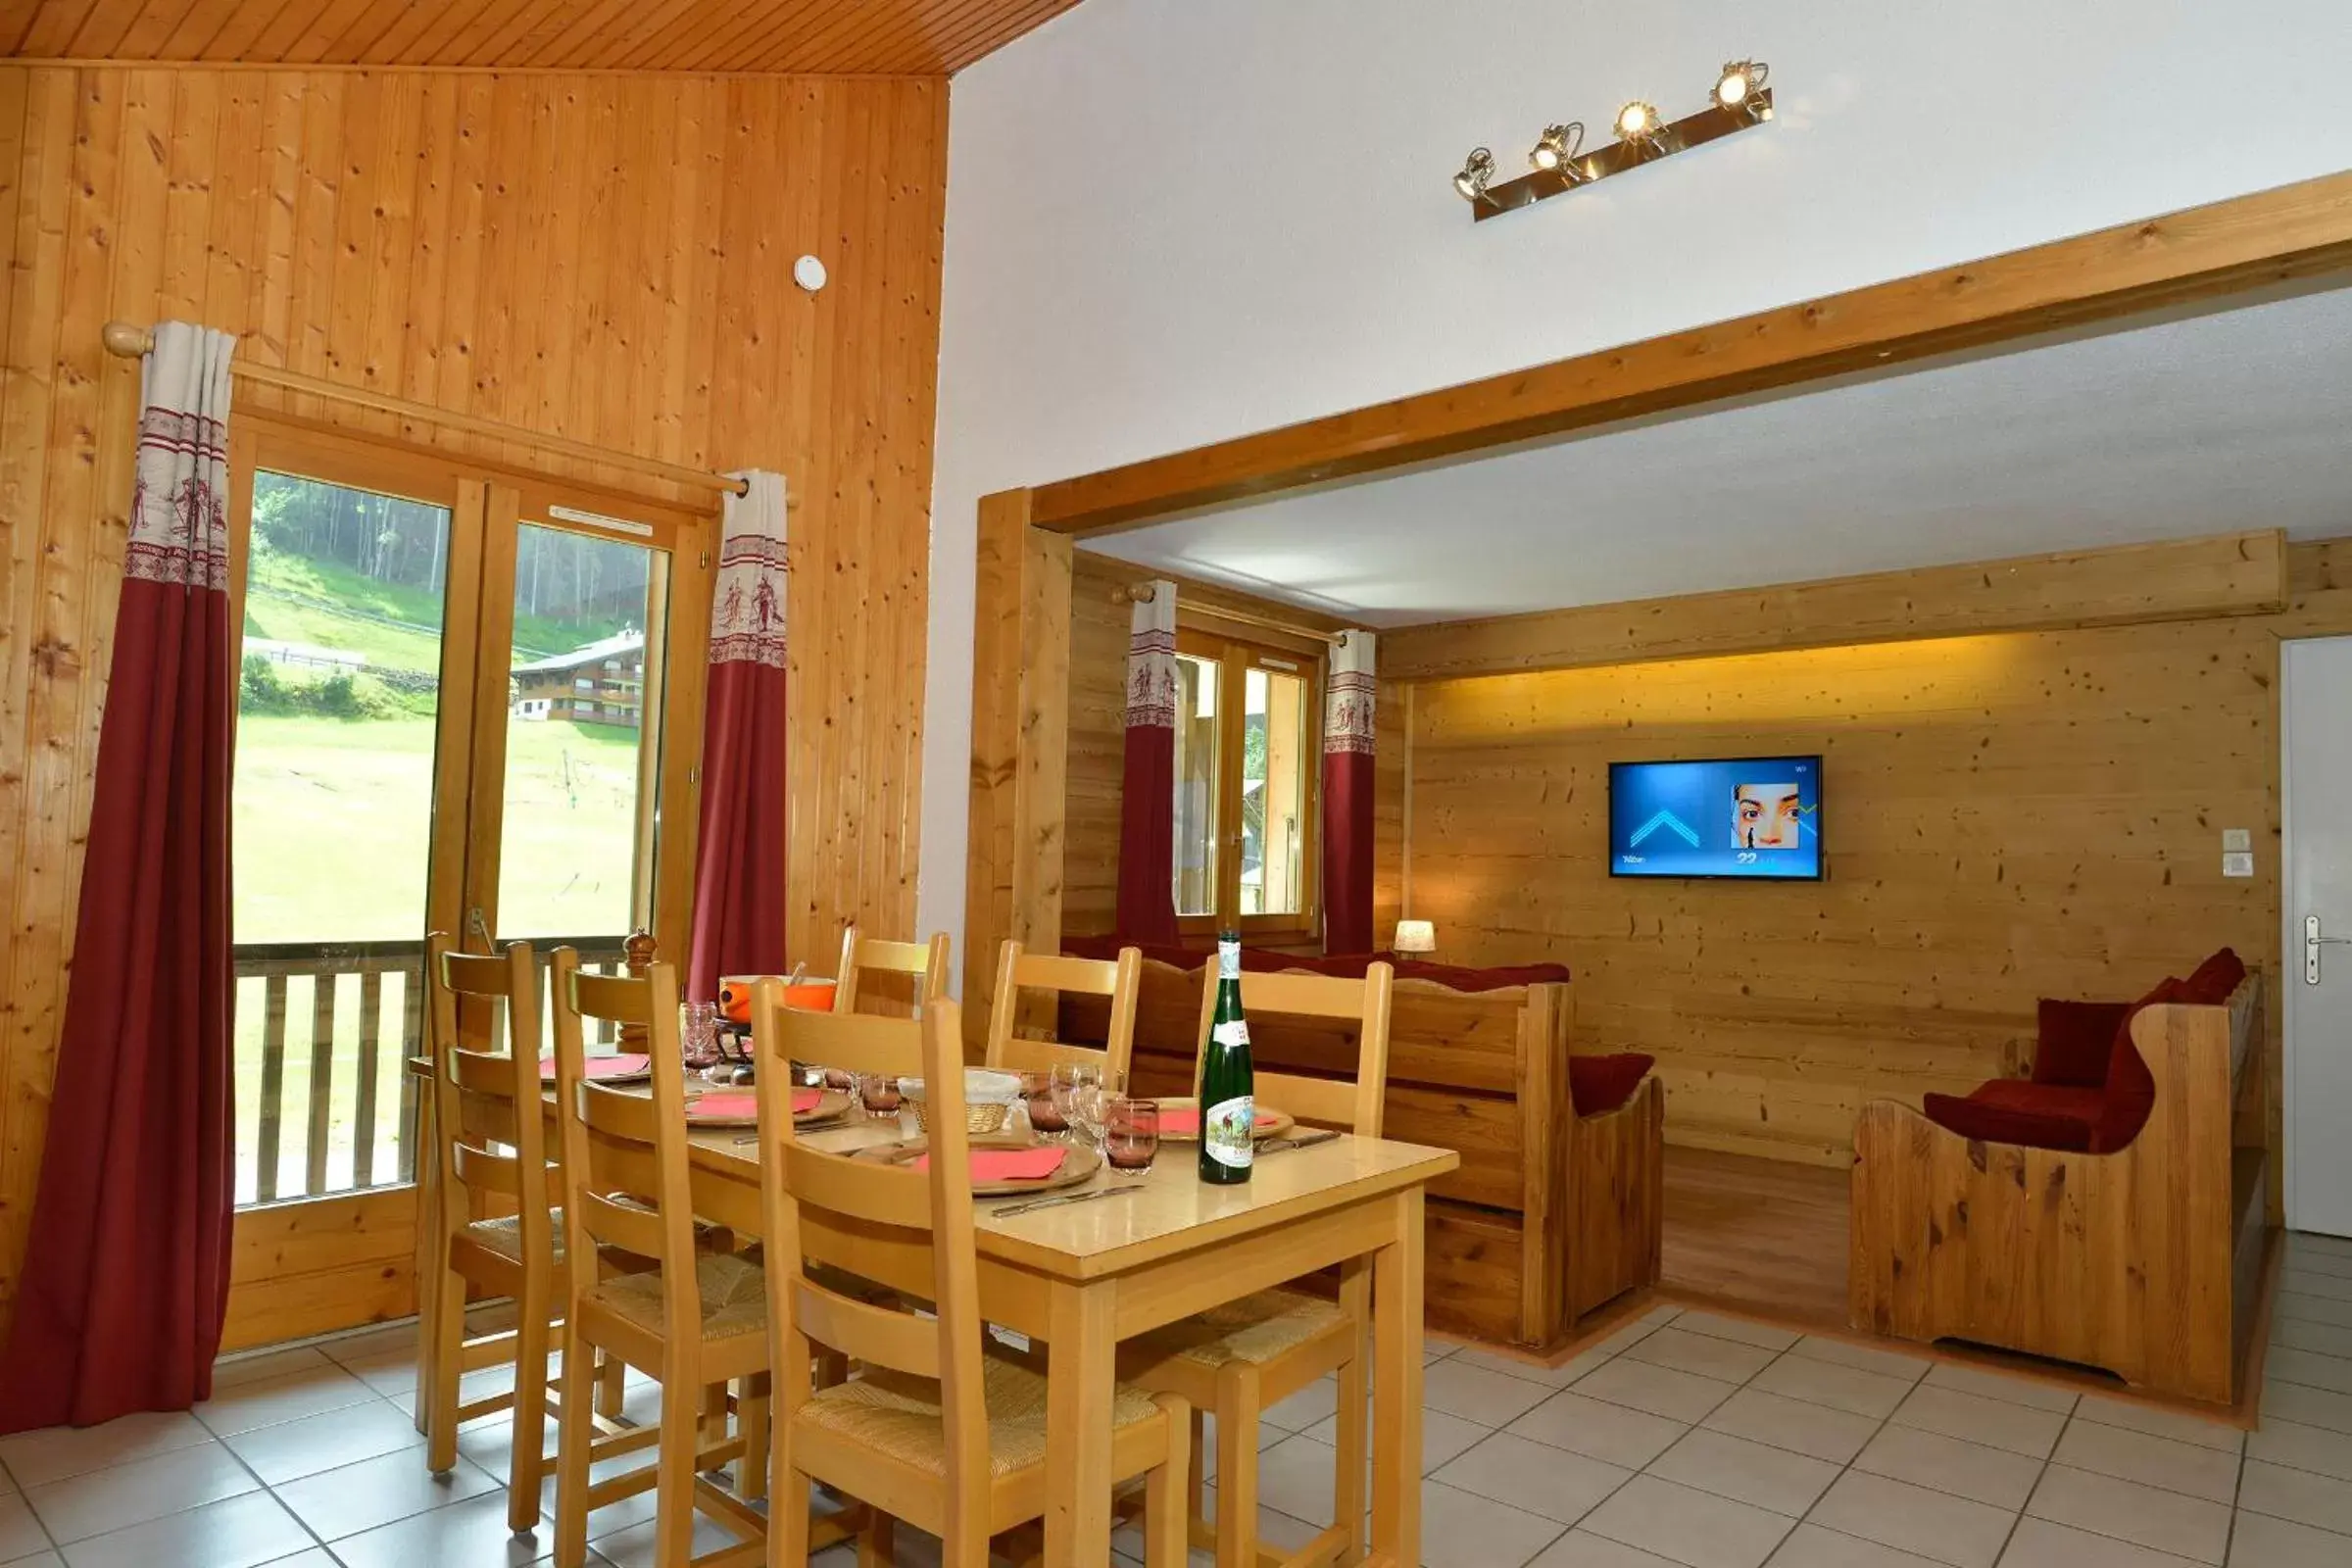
x=1078, y=1096
x=1046, y=1119
x=699, y=1046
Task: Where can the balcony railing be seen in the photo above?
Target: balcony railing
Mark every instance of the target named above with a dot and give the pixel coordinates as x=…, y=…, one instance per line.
x=338, y=1113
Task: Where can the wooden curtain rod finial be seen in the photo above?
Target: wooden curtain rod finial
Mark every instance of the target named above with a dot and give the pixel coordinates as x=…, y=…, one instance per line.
x=125, y=340
x=1134, y=593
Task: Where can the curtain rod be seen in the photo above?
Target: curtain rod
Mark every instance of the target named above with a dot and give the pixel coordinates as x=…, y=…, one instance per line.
x=133, y=342
x=1143, y=593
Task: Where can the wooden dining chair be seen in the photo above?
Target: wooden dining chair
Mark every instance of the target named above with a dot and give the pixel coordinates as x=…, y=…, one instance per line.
x=1017, y=971
x=935, y=1430
x=696, y=1320
x=1239, y=1358
x=491, y=1151
x=923, y=962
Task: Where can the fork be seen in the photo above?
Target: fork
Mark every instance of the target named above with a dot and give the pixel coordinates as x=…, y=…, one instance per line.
x=1028, y=1205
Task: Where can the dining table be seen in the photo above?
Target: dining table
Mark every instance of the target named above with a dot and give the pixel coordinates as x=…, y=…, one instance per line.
x=1079, y=1278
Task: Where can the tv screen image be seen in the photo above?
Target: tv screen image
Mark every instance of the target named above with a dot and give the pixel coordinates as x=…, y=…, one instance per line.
x=1746, y=817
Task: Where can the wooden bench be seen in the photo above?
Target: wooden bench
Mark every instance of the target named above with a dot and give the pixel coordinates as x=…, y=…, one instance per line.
x=1548, y=1215
x=2145, y=1261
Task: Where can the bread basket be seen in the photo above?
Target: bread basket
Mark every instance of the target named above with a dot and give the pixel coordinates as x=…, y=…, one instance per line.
x=988, y=1099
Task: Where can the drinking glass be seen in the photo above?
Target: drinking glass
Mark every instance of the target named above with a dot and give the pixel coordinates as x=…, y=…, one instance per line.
x=1046, y=1119
x=699, y=1046
x=1078, y=1096
x=878, y=1093
x=1131, y=1133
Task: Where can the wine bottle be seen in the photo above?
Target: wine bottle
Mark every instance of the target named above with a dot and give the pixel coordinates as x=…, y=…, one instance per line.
x=1227, y=1100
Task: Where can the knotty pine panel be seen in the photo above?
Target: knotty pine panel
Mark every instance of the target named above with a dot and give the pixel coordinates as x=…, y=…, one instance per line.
x=601, y=258
x=2005, y=818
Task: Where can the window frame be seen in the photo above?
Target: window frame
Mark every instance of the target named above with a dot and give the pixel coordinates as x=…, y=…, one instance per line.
x=1236, y=654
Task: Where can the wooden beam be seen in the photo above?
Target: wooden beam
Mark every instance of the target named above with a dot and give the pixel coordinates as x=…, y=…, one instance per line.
x=2295, y=231
x=2226, y=574
x=1020, y=746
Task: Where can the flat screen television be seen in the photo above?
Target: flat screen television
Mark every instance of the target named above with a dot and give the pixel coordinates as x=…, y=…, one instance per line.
x=1743, y=816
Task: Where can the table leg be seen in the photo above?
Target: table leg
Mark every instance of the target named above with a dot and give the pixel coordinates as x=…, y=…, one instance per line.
x=1081, y=1369
x=1396, y=1388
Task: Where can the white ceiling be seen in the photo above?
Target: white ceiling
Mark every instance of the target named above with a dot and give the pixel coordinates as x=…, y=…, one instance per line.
x=2177, y=427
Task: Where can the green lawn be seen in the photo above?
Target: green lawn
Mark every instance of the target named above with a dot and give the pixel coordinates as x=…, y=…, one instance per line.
x=330, y=835
x=292, y=598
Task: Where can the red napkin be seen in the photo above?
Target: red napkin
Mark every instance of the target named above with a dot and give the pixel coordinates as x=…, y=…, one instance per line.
x=1180, y=1121
x=732, y=1108
x=1009, y=1164
x=601, y=1066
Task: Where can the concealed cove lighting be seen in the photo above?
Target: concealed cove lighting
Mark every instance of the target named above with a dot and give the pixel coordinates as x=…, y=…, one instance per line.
x=1739, y=86
x=1476, y=170
x=1555, y=152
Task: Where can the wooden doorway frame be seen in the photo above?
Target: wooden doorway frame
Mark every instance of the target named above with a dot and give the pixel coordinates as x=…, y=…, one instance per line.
x=1021, y=650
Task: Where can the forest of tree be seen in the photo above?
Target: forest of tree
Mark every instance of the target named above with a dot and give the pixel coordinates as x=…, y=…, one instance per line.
x=404, y=544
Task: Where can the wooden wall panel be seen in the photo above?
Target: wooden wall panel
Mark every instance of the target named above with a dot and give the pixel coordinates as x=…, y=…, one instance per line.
x=834, y=36
x=601, y=258
x=2006, y=817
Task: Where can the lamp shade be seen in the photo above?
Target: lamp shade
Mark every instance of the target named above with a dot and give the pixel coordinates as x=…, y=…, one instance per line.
x=1416, y=936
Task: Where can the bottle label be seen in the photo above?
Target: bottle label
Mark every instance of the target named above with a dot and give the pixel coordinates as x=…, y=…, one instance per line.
x=1225, y=1132
x=1233, y=1032
x=1229, y=960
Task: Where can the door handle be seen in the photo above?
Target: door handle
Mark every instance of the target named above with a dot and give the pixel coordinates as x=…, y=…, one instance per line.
x=2313, y=941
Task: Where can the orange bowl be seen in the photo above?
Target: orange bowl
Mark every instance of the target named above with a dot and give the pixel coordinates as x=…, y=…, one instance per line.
x=735, y=996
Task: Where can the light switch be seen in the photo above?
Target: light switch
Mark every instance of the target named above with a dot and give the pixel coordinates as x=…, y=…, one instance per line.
x=2237, y=863
x=2236, y=840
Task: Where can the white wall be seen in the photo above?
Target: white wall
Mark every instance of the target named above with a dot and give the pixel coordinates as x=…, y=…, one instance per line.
x=1171, y=221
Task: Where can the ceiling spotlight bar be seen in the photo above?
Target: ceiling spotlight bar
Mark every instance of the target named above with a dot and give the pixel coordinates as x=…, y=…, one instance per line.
x=1557, y=165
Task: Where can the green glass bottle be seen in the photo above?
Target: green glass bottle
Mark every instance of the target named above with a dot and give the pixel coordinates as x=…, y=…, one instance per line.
x=1227, y=1086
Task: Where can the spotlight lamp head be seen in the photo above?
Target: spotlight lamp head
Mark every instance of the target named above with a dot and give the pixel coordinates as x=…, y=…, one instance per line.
x=1739, y=88
x=1476, y=170
x=1555, y=152
x=1641, y=127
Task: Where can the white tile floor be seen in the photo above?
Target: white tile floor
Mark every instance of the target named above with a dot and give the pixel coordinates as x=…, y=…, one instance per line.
x=1685, y=1441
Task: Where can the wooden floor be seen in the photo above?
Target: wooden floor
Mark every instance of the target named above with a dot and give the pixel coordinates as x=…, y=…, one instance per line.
x=1756, y=1233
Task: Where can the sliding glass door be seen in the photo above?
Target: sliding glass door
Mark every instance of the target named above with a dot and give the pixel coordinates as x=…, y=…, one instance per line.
x=458, y=709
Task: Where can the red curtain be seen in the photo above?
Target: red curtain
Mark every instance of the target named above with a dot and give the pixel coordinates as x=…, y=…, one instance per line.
x=1348, y=798
x=739, y=859
x=125, y=1278
x=1147, y=911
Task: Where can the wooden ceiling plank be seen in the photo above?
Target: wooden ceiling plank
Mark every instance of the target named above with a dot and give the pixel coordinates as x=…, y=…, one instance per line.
x=51, y=31
x=18, y=19
x=406, y=39
x=285, y=30
x=2298, y=230
x=883, y=28
x=646, y=30
x=470, y=46
x=241, y=29
x=722, y=44
x=316, y=42
x=977, y=42
x=356, y=43
x=528, y=29
x=104, y=24
x=152, y=30
x=562, y=50
x=908, y=46
x=670, y=47
x=196, y=26
x=433, y=42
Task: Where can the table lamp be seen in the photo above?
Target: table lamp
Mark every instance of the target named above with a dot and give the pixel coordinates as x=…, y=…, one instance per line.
x=1416, y=936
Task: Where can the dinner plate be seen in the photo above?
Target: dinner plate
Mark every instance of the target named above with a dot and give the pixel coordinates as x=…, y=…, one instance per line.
x=1078, y=1164
x=625, y=1068
x=740, y=1107
x=1269, y=1123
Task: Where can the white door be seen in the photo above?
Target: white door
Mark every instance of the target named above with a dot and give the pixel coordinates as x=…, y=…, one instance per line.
x=2317, y=777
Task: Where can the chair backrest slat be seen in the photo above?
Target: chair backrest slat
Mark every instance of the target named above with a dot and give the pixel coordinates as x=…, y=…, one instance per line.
x=923, y=962
x=811, y=1197
x=1017, y=971
x=486, y=1103
x=622, y=1142
x=1354, y=1105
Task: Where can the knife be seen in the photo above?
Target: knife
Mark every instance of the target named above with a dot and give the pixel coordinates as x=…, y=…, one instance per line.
x=1028, y=1204
x=1275, y=1146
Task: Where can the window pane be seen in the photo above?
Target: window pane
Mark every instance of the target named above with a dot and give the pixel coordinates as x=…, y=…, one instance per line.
x=1196, y=785
x=1274, y=793
x=331, y=815
x=572, y=858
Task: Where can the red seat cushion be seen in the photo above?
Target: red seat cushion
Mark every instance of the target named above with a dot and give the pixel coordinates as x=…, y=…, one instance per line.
x=2131, y=1088
x=2042, y=1100
x=2075, y=1041
x=2216, y=978
x=1993, y=1123
x=1599, y=1085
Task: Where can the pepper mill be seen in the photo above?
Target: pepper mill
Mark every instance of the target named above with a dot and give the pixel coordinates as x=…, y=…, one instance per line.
x=637, y=955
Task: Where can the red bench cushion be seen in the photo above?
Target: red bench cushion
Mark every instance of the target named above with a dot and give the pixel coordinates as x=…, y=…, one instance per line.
x=2075, y=1042
x=1599, y=1085
x=1993, y=1123
x=2216, y=978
